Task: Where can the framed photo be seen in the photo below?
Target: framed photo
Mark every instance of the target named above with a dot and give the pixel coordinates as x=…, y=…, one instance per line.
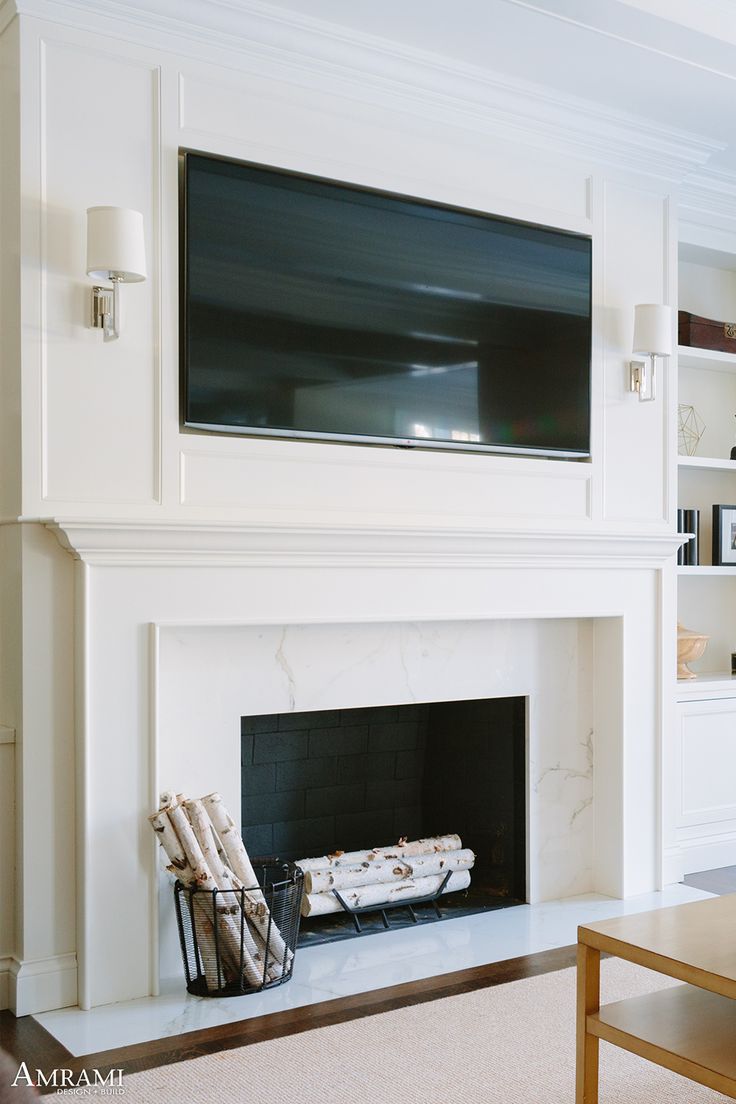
x=724, y=536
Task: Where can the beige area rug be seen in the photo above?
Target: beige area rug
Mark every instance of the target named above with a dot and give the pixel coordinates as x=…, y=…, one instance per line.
x=511, y=1044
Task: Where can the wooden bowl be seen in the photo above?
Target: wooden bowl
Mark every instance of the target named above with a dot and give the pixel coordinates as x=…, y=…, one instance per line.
x=690, y=646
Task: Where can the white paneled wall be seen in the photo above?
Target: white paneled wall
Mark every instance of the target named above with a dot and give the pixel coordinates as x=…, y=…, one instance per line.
x=102, y=421
x=637, y=245
x=106, y=105
x=99, y=432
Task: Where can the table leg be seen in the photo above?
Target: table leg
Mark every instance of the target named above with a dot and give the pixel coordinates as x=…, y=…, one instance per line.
x=589, y=1000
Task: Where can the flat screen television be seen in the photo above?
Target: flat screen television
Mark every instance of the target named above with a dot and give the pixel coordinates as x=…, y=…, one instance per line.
x=318, y=310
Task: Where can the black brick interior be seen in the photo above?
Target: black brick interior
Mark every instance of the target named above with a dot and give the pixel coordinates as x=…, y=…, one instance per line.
x=349, y=779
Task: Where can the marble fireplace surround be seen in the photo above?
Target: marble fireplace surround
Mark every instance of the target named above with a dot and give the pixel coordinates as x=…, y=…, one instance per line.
x=282, y=668
x=183, y=629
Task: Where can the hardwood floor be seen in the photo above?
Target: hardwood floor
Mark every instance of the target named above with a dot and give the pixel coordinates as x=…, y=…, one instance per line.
x=27, y=1041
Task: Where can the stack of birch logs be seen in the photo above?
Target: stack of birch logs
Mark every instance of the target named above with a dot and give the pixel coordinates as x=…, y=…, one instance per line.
x=205, y=851
x=384, y=875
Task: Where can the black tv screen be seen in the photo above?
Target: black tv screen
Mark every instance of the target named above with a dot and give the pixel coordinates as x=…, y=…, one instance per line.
x=313, y=309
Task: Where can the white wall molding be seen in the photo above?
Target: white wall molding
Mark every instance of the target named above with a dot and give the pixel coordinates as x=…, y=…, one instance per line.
x=694, y=855
x=41, y=985
x=157, y=543
x=376, y=70
x=711, y=192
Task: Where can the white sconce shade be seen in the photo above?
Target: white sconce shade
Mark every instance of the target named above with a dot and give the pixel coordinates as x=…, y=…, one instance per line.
x=115, y=244
x=116, y=251
x=652, y=336
x=653, y=329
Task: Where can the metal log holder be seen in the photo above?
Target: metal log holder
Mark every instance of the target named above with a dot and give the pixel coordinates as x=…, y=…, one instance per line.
x=198, y=912
x=429, y=899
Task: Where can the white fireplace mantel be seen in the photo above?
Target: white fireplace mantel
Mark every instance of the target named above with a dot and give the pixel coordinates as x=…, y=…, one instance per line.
x=181, y=627
x=120, y=542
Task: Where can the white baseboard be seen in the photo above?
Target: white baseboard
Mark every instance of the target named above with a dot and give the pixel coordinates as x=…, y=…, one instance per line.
x=692, y=856
x=42, y=985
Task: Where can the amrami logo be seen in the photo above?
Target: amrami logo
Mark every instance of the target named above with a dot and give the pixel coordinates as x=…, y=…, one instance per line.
x=67, y=1083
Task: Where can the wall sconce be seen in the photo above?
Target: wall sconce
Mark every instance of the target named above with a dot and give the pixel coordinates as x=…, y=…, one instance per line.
x=116, y=251
x=653, y=338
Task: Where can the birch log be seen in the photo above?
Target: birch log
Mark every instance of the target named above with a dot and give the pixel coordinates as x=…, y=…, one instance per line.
x=377, y=854
x=192, y=850
x=229, y=926
x=202, y=829
x=253, y=908
x=241, y=866
x=180, y=867
x=173, y=849
x=370, y=873
x=320, y=904
x=223, y=875
x=424, y=846
x=441, y=862
x=226, y=829
x=355, y=874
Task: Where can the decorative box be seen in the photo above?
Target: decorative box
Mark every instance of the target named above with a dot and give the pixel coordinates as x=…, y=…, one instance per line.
x=705, y=333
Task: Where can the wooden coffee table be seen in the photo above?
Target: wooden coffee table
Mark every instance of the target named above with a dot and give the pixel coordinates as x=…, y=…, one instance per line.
x=688, y=1028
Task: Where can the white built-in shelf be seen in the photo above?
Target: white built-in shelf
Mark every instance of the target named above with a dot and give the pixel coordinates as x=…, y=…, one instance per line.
x=712, y=462
x=706, y=569
x=690, y=357
x=708, y=682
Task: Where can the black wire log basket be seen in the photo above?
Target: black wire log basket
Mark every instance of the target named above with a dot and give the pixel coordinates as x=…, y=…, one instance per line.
x=235, y=942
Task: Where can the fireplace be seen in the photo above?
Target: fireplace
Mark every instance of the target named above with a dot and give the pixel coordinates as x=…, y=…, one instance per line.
x=349, y=779
x=188, y=628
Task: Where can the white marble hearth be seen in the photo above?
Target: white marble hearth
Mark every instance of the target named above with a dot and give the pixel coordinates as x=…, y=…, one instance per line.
x=354, y=966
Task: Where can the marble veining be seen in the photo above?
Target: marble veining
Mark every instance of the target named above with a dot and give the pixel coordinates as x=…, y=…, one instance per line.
x=284, y=665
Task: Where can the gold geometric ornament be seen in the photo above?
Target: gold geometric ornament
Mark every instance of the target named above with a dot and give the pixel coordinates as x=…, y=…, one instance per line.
x=690, y=428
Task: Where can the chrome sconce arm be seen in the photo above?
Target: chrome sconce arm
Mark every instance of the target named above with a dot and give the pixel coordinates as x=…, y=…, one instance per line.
x=642, y=378
x=106, y=309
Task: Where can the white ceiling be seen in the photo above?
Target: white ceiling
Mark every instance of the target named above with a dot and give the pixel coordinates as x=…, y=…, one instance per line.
x=671, y=61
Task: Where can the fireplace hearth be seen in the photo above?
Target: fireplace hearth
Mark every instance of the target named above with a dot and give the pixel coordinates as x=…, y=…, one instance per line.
x=317, y=782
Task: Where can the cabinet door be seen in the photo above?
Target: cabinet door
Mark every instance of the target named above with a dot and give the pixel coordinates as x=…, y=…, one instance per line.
x=705, y=799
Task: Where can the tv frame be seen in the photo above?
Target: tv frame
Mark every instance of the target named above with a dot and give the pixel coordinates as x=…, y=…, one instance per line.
x=406, y=443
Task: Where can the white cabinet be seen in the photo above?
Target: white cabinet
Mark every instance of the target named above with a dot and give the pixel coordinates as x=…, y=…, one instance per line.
x=701, y=791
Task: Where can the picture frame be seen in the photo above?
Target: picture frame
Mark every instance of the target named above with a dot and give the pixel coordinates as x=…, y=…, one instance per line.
x=724, y=536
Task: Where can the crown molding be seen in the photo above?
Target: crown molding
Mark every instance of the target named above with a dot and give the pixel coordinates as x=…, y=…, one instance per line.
x=309, y=51
x=710, y=191
x=168, y=544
